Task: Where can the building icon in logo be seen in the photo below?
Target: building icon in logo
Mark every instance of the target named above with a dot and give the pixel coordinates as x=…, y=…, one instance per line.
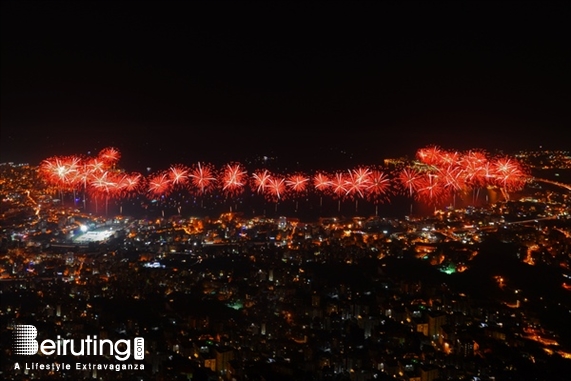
x=25, y=339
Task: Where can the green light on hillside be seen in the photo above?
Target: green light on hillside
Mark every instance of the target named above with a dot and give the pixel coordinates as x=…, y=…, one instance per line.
x=450, y=269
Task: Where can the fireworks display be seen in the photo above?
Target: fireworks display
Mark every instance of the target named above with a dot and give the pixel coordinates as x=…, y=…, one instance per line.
x=434, y=177
x=234, y=178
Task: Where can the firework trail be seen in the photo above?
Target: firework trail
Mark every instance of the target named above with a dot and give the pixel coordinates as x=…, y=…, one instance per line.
x=322, y=185
x=234, y=179
x=339, y=188
x=380, y=188
x=297, y=185
x=356, y=184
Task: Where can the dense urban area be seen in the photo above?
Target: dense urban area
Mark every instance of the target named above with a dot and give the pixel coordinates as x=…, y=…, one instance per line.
x=471, y=292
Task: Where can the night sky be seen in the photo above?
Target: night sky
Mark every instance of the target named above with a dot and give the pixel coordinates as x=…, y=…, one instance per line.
x=169, y=82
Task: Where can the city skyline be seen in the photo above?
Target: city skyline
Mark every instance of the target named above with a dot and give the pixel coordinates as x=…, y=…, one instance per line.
x=206, y=81
x=285, y=191
x=458, y=293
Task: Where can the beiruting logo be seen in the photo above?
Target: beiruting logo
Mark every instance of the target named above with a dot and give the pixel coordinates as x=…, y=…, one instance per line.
x=25, y=343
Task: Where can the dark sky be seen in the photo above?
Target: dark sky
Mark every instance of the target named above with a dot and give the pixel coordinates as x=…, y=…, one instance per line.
x=168, y=82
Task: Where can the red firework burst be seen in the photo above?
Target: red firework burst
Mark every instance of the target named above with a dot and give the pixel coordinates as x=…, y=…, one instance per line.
x=408, y=180
x=179, y=175
x=357, y=181
x=321, y=182
x=297, y=183
x=234, y=179
x=453, y=178
x=431, y=155
x=159, y=184
x=430, y=189
x=110, y=156
x=509, y=174
x=474, y=167
x=450, y=158
x=60, y=170
x=339, y=185
x=105, y=183
x=203, y=177
x=131, y=184
x=380, y=186
x=105, y=186
x=96, y=166
x=260, y=180
x=276, y=189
